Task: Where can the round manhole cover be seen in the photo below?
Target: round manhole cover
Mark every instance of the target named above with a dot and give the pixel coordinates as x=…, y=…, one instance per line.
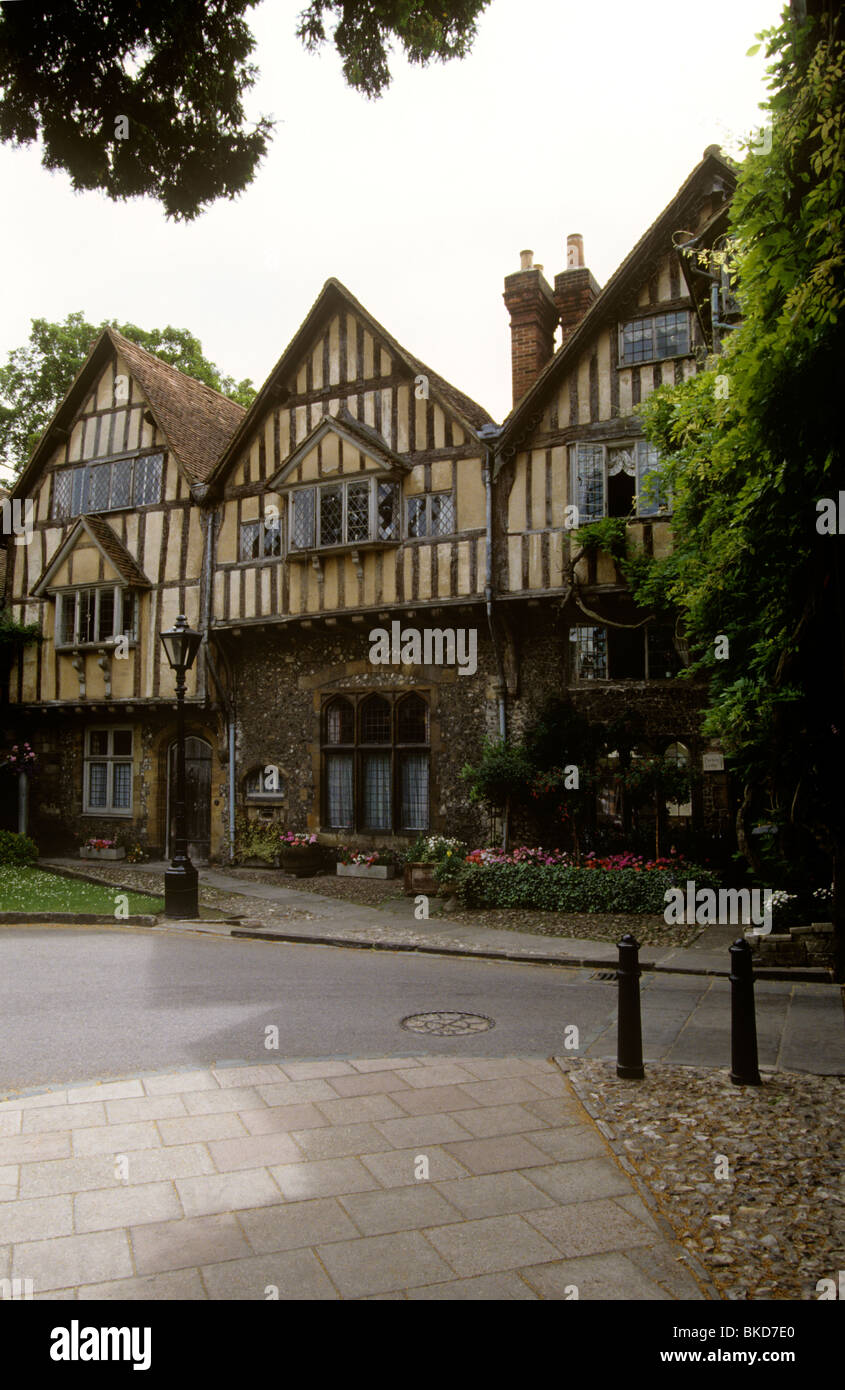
x=447, y=1023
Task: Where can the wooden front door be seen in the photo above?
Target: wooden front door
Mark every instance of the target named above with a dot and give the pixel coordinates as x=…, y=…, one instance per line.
x=197, y=798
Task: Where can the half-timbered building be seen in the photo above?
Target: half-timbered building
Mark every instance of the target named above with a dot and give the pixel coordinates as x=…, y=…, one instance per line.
x=381, y=574
x=116, y=551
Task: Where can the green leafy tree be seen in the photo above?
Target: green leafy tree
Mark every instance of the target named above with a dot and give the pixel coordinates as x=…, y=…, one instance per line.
x=35, y=377
x=146, y=96
x=500, y=779
x=425, y=29
x=754, y=452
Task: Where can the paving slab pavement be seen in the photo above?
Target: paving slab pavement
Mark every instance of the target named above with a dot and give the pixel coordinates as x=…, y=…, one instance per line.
x=216, y=1184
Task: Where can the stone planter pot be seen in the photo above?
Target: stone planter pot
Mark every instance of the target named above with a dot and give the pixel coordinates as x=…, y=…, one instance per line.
x=419, y=878
x=102, y=853
x=303, y=861
x=365, y=871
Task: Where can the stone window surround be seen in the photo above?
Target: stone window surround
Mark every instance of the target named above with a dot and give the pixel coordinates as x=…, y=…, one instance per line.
x=356, y=698
x=110, y=759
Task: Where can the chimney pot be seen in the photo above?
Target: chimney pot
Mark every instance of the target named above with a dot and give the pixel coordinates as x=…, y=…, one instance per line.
x=575, y=288
x=574, y=251
x=526, y=260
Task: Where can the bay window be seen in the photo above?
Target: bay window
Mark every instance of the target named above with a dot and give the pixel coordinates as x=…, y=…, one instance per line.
x=95, y=615
x=353, y=512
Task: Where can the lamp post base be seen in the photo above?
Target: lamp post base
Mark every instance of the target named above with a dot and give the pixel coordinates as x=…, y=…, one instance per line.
x=181, y=892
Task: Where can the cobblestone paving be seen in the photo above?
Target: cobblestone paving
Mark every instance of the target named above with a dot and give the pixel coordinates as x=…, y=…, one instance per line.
x=774, y=1224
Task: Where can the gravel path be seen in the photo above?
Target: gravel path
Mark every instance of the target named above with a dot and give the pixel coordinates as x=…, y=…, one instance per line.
x=650, y=930
x=770, y=1222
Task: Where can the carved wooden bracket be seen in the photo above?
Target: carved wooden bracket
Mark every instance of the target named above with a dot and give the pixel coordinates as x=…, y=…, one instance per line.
x=104, y=663
x=78, y=664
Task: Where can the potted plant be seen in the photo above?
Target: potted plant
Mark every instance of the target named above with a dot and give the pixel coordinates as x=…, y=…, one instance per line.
x=299, y=854
x=95, y=848
x=352, y=864
x=426, y=855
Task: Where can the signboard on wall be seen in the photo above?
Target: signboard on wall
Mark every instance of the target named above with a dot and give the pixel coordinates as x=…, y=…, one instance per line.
x=713, y=762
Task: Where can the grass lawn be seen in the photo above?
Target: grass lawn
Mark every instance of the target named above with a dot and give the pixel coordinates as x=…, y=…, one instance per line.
x=28, y=889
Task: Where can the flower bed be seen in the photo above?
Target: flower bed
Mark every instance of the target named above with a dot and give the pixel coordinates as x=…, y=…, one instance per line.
x=550, y=881
x=359, y=864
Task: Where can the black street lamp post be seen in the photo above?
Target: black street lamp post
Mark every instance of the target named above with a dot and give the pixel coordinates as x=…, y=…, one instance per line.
x=181, y=643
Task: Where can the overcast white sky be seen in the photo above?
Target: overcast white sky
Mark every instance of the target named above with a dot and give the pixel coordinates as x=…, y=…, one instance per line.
x=568, y=116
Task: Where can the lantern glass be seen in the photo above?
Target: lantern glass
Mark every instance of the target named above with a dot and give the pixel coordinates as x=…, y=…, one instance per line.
x=181, y=643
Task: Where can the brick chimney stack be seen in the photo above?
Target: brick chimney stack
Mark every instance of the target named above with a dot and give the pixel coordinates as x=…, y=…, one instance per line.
x=529, y=301
x=575, y=288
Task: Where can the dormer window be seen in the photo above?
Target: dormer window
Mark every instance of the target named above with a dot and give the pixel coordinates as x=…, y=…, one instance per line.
x=107, y=487
x=653, y=338
x=350, y=513
x=95, y=616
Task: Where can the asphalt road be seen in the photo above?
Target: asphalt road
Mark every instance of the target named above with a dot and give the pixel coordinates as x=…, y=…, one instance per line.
x=83, y=1004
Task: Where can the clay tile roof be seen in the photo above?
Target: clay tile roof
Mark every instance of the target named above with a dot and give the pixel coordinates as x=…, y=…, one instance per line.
x=127, y=567
x=197, y=421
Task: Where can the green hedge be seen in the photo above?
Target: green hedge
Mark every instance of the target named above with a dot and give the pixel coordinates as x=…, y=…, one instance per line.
x=559, y=888
x=17, y=849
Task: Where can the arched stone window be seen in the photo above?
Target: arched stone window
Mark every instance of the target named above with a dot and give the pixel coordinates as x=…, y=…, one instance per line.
x=376, y=763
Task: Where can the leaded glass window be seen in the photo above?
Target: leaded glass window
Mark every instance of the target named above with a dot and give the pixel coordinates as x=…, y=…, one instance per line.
x=431, y=514
x=654, y=337
x=61, y=494
x=107, y=487
x=94, y=615
x=348, y=513
x=107, y=771
x=302, y=519
x=375, y=720
x=587, y=484
x=331, y=515
x=388, y=512
x=652, y=493
x=357, y=511
x=589, y=652
x=250, y=548
x=378, y=780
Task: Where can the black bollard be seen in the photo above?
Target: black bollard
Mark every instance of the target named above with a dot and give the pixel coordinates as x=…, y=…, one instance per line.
x=629, y=1037
x=744, y=1071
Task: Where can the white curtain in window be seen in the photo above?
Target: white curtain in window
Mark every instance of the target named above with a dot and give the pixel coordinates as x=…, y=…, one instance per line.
x=377, y=791
x=339, y=789
x=414, y=789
